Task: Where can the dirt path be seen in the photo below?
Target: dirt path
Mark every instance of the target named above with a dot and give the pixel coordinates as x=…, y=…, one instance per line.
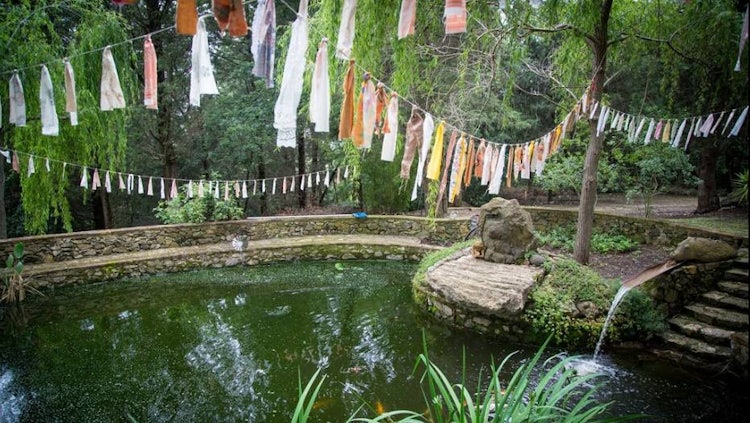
x=629, y=264
x=662, y=206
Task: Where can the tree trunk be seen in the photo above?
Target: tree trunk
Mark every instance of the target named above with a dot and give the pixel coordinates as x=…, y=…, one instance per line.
x=708, y=200
x=598, y=44
x=165, y=141
x=246, y=205
x=301, y=170
x=315, y=167
x=102, y=210
x=3, y=218
x=263, y=197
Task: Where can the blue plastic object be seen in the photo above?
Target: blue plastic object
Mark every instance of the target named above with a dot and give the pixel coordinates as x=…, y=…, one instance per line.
x=360, y=215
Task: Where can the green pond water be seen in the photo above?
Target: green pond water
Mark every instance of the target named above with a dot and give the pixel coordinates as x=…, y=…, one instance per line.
x=229, y=345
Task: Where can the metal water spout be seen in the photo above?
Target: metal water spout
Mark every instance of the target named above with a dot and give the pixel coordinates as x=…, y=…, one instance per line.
x=636, y=280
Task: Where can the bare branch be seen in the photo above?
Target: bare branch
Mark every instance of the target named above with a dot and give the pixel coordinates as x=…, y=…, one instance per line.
x=548, y=74
x=668, y=43
x=561, y=28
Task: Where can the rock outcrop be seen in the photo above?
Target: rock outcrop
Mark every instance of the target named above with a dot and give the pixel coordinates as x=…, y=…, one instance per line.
x=703, y=250
x=506, y=230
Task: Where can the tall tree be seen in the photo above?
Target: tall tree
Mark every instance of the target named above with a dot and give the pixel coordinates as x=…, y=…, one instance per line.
x=655, y=38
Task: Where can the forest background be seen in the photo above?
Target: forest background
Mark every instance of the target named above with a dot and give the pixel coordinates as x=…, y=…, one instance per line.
x=512, y=77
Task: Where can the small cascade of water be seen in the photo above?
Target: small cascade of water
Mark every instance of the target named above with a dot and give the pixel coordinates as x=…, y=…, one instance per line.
x=618, y=297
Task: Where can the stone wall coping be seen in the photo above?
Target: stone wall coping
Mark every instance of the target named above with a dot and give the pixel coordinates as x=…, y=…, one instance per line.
x=241, y=222
x=134, y=264
x=253, y=246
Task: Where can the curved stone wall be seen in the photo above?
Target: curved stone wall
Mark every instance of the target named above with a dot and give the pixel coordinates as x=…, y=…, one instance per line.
x=63, y=247
x=645, y=231
x=193, y=259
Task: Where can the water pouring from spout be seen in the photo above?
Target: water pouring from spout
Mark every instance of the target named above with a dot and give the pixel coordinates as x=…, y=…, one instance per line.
x=636, y=280
x=618, y=298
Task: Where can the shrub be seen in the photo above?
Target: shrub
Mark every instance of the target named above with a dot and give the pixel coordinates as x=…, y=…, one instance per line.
x=194, y=209
x=563, y=237
x=554, y=312
x=657, y=168
x=13, y=288
x=739, y=184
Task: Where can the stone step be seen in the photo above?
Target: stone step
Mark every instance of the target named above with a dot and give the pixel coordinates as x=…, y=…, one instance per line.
x=696, y=347
x=700, y=330
x=737, y=274
x=686, y=359
x=725, y=300
x=718, y=316
x=737, y=289
x=741, y=262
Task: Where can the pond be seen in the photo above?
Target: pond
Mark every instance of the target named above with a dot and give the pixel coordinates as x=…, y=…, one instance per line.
x=232, y=344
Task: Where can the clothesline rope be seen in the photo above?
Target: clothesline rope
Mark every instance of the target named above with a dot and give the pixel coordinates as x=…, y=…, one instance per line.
x=408, y=101
x=471, y=136
x=96, y=50
x=331, y=174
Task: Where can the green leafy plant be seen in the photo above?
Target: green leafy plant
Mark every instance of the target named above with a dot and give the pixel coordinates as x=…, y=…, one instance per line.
x=557, y=310
x=658, y=168
x=191, y=208
x=605, y=243
x=563, y=237
x=739, y=184
x=307, y=397
x=14, y=287
x=549, y=390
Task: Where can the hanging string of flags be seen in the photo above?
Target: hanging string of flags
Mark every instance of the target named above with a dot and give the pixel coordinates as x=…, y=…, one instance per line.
x=368, y=111
x=168, y=187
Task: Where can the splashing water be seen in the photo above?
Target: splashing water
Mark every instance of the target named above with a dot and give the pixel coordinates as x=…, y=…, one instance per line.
x=618, y=297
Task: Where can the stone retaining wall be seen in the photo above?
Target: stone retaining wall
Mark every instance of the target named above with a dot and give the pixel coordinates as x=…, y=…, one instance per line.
x=76, y=275
x=447, y=312
x=674, y=290
x=62, y=247
x=645, y=231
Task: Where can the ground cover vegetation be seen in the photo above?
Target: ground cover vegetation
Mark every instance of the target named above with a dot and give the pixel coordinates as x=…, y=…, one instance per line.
x=571, y=303
x=510, y=78
x=559, y=393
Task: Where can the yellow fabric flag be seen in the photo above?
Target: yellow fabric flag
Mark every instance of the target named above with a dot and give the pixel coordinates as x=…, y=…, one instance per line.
x=458, y=169
x=436, y=157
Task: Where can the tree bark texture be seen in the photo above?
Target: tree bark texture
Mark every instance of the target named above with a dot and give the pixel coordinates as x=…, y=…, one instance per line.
x=708, y=199
x=301, y=193
x=315, y=167
x=263, y=197
x=3, y=218
x=598, y=43
x=102, y=210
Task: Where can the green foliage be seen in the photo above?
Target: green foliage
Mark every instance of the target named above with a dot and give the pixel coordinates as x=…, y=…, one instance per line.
x=639, y=171
x=44, y=32
x=193, y=209
x=563, y=237
x=13, y=289
x=538, y=390
x=554, y=308
x=637, y=318
x=562, y=173
x=740, y=183
x=307, y=397
x=657, y=168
